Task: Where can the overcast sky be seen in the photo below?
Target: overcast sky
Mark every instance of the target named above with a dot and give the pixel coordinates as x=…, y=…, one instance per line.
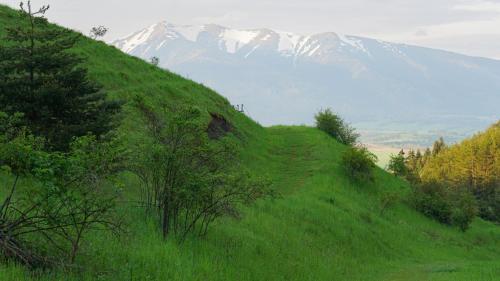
x=466, y=26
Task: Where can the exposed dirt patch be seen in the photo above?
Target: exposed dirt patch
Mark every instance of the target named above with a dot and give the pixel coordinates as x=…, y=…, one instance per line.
x=218, y=126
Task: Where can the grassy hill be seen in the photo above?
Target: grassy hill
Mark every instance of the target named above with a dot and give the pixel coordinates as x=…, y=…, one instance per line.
x=322, y=228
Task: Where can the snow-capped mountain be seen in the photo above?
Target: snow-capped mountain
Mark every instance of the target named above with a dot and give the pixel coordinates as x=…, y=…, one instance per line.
x=243, y=43
x=284, y=78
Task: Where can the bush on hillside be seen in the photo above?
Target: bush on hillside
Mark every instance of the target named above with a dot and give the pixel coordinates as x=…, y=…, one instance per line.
x=336, y=127
x=452, y=206
x=464, y=209
x=488, y=197
x=431, y=200
x=70, y=195
x=359, y=163
x=189, y=179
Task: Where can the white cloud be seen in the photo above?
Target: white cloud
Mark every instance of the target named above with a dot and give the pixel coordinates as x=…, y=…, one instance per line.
x=478, y=6
x=226, y=19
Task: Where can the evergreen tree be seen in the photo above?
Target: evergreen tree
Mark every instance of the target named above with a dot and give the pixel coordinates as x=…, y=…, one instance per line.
x=397, y=164
x=427, y=156
x=45, y=82
x=411, y=160
x=419, y=160
x=438, y=146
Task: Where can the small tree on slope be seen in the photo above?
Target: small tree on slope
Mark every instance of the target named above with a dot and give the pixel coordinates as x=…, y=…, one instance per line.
x=189, y=179
x=42, y=79
x=336, y=127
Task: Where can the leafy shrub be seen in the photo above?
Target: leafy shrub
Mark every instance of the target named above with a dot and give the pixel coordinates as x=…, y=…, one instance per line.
x=69, y=195
x=336, y=127
x=464, y=209
x=189, y=179
x=456, y=206
x=488, y=198
x=431, y=200
x=359, y=163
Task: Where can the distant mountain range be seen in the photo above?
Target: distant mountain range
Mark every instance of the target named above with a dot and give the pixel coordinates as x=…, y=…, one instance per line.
x=394, y=93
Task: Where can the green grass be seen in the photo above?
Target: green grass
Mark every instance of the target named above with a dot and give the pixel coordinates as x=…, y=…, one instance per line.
x=323, y=227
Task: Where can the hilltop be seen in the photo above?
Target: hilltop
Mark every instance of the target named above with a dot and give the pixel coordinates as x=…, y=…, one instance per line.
x=323, y=227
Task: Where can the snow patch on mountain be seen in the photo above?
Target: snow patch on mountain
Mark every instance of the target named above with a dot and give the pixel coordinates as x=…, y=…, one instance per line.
x=287, y=42
x=235, y=39
x=392, y=48
x=354, y=42
x=253, y=50
x=137, y=39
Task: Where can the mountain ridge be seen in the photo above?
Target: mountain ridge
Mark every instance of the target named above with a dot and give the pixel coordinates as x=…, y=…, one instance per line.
x=186, y=31
x=237, y=39
x=284, y=78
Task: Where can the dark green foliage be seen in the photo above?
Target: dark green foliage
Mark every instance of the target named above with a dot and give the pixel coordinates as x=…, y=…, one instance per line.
x=456, y=207
x=46, y=222
x=409, y=166
x=336, y=127
x=431, y=200
x=43, y=80
x=488, y=197
x=438, y=146
x=359, y=163
x=397, y=164
x=464, y=209
x=189, y=179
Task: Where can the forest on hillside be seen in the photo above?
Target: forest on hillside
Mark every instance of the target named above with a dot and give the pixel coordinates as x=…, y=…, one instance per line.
x=454, y=183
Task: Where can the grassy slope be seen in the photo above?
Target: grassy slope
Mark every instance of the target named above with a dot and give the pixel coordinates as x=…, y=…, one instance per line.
x=324, y=227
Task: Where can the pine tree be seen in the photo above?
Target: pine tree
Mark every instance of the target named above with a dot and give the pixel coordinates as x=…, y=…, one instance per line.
x=397, y=164
x=412, y=166
x=45, y=82
x=419, y=160
x=411, y=160
x=438, y=146
x=427, y=156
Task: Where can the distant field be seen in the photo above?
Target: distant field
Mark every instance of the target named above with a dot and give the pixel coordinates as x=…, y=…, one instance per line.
x=383, y=154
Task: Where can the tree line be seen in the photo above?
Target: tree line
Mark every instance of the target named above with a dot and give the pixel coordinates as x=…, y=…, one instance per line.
x=455, y=183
